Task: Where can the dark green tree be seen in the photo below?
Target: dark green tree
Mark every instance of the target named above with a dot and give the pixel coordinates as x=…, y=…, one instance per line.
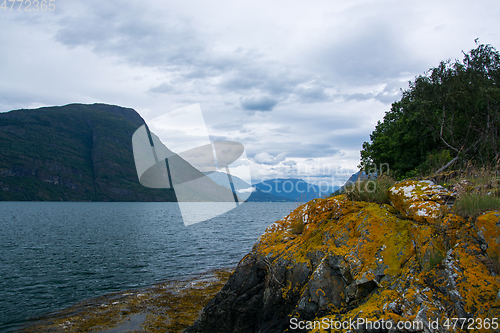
x=452, y=110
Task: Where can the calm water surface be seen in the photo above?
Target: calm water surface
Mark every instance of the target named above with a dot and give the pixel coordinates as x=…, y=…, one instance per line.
x=53, y=254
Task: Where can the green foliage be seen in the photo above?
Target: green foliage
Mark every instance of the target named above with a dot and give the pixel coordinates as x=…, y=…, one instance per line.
x=434, y=161
x=454, y=107
x=370, y=190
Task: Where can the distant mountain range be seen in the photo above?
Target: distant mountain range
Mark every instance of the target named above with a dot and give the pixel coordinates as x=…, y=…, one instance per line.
x=279, y=189
x=294, y=189
x=80, y=152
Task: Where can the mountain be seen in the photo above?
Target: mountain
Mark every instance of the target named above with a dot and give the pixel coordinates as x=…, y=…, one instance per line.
x=293, y=188
x=276, y=190
x=260, y=196
x=222, y=179
x=81, y=152
x=241, y=186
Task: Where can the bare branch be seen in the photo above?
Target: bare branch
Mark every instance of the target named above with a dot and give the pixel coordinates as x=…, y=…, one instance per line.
x=447, y=165
x=441, y=133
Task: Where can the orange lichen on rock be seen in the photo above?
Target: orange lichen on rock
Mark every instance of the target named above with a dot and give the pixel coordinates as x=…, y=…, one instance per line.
x=409, y=261
x=422, y=201
x=488, y=231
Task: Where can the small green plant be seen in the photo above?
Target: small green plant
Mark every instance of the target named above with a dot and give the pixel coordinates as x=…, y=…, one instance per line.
x=297, y=226
x=371, y=190
x=435, y=259
x=472, y=205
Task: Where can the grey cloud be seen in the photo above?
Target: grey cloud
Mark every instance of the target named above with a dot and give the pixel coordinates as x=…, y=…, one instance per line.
x=9, y=99
x=263, y=103
x=269, y=79
x=199, y=73
x=283, y=129
x=175, y=45
x=390, y=93
x=245, y=131
x=12, y=99
x=334, y=122
x=128, y=34
x=313, y=94
x=386, y=98
x=314, y=150
x=220, y=138
x=351, y=140
x=261, y=77
x=163, y=88
x=294, y=149
x=228, y=126
x=358, y=96
x=246, y=142
x=238, y=83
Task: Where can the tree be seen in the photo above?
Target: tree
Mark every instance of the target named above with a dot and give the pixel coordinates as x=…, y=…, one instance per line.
x=454, y=107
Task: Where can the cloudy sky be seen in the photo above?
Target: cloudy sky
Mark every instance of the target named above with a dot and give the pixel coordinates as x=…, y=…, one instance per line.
x=300, y=84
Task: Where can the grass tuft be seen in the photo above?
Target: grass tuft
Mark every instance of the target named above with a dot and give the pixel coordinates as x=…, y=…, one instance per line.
x=472, y=205
x=370, y=190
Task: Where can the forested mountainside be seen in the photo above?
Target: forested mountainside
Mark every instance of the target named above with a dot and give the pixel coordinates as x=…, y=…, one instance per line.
x=74, y=152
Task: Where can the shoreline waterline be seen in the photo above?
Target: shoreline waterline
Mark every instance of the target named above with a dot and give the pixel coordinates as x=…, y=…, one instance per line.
x=170, y=305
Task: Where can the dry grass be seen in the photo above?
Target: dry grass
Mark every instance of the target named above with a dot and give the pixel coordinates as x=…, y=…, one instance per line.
x=478, y=189
x=370, y=190
x=472, y=205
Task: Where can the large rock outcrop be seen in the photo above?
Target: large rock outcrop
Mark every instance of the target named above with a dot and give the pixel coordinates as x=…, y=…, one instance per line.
x=338, y=264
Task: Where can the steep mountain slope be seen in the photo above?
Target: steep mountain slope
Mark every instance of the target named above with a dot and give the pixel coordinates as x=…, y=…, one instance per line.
x=80, y=152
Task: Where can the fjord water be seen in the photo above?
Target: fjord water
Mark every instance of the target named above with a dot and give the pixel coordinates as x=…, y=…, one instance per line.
x=54, y=254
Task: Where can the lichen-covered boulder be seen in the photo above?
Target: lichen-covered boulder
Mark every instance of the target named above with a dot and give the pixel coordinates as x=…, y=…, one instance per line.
x=488, y=232
x=335, y=261
x=422, y=201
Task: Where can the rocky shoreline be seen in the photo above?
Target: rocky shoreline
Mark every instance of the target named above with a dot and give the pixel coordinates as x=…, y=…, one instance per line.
x=170, y=306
